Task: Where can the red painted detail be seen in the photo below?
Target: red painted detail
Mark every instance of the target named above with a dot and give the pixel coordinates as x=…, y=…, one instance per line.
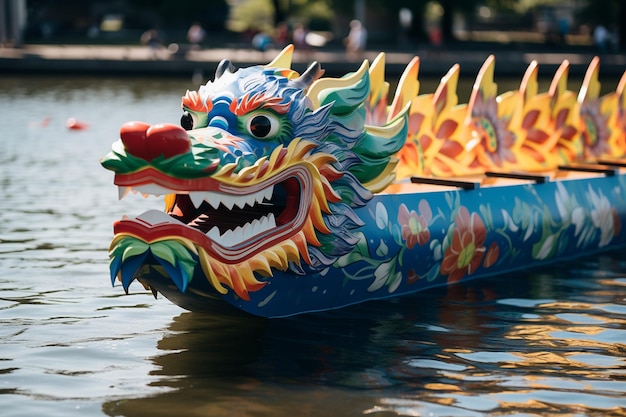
x=167, y=139
x=148, y=142
x=151, y=175
x=133, y=135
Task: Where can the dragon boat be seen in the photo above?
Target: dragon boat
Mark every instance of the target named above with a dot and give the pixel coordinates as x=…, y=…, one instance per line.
x=288, y=193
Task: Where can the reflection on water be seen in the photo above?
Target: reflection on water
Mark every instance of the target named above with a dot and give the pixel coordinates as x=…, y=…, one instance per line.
x=545, y=343
x=549, y=343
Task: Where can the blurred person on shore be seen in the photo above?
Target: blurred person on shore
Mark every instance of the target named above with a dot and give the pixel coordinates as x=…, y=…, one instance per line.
x=261, y=41
x=299, y=37
x=356, y=41
x=153, y=41
x=435, y=37
x=603, y=39
x=281, y=35
x=195, y=35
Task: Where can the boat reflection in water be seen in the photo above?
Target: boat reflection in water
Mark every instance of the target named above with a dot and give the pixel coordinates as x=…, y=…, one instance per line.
x=550, y=343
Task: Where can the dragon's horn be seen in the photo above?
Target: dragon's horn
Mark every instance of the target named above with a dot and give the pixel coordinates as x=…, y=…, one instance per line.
x=224, y=66
x=283, y=59
x=312, y=73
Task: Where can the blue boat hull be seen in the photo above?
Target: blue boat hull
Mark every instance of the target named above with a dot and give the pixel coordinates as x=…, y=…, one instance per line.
x=498, y=229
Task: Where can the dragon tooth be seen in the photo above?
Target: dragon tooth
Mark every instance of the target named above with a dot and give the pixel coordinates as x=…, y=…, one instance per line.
x=267, y=194
x=255, y=227
x=197, y=198
x=245, y=232
x=213, y=199
x=240, y=201
x=214, y=234
x=238, y=235
x=268, y=222
x=228, y=202
x=227, y=238
x=261, y=224
x=122, y=192
x=271, y=221
x=258, y=197
x=250, y=199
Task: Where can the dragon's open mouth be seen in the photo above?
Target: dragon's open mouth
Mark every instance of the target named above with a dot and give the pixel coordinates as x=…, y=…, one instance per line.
x=230, y=222
x=230, y=219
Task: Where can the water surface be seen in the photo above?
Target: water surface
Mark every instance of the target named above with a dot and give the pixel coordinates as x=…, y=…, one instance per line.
x=544, y=342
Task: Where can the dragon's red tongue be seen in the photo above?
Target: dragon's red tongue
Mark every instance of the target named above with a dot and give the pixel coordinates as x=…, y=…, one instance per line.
x=147, y=142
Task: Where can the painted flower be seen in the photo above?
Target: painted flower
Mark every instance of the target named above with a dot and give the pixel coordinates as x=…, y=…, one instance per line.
x=488, y=121
x=569, y=209
x=466, y=250
x=415, y=226
x=492, y=255
x=595, y=133
x=491, y=133
x=602, y=216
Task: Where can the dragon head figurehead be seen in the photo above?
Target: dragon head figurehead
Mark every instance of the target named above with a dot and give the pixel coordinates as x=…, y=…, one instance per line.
x=264, y=173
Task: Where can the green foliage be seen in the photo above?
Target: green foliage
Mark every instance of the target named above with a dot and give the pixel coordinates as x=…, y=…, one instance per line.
x=252, y=14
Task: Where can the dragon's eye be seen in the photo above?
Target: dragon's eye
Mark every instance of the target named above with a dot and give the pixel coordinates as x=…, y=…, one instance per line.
x=188, y=121
x=263, y=125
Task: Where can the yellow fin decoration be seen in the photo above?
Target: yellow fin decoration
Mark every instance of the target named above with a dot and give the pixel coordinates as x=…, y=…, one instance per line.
x=565, y=115
x=535, y=129
x=590, y=89
x=511, y=105
x=621, y=92
x=558, y=86
x=484, y=87
x=483, y=95
x=408, y=88
x=484, y=83
x=620, y=121
x=446, y=93
x=529, y=85
x=379, y=88
x=283, y=59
